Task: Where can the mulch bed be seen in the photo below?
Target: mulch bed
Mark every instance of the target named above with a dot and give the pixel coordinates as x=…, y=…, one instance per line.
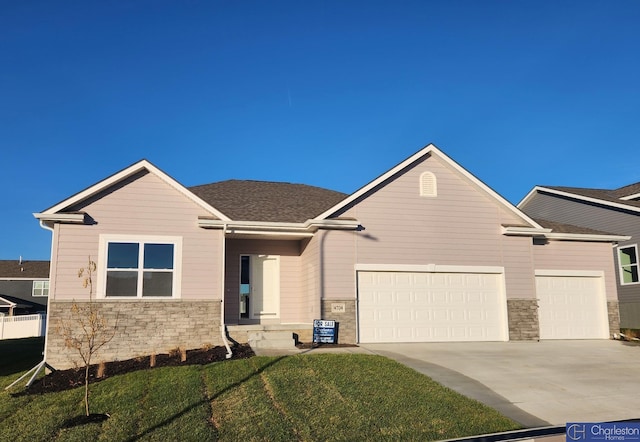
x=61, y=380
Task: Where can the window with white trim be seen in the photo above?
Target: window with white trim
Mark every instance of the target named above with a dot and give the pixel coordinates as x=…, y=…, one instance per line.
x=428, y=184
x=145, y=268
x=628, y=264
x=40, y=288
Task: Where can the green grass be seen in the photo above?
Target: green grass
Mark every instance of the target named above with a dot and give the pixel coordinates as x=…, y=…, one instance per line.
x=306, y=397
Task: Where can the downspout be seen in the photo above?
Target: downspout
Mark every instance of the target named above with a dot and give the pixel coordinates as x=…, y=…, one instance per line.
x=46, y=331
x=223, y=331
x=42, y=364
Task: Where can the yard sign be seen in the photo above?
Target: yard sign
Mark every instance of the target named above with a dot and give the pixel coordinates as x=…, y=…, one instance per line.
x=325, y=332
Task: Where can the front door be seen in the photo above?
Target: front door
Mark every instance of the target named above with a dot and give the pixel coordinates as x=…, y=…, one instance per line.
x=259, y=287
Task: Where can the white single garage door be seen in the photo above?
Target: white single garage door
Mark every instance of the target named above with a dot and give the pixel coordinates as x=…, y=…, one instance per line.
x=431, y=307
x=572, y=307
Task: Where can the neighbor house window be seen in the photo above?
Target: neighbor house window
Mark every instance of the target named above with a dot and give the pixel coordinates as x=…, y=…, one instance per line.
x=141, y=269
x=40, y=288
x=628, y=260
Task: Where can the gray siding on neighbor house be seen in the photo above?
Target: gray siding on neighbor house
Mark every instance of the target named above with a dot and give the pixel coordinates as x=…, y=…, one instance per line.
x=579, y=213
x=22, y=289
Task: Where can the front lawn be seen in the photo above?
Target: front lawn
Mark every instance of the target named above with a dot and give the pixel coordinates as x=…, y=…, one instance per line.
x=305, y=397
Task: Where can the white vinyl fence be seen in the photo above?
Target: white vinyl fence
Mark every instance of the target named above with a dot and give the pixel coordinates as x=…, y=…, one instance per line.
x=26, y=326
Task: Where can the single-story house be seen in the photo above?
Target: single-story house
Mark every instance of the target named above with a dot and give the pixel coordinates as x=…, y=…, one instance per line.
x=425, y=252
x=614, y=210
x=24, y=286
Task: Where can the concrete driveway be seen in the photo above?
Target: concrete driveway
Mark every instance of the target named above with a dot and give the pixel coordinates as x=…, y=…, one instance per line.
x=534, y=383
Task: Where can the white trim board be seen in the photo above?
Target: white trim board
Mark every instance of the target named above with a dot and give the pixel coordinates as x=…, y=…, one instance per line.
x=101, y=264
x=429, y=268
x=577, y=273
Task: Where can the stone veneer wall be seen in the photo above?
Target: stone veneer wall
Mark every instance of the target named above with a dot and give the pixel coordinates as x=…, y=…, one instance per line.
x=346, y=319
x=613, y=309
x=523, y=319
x=143, y=327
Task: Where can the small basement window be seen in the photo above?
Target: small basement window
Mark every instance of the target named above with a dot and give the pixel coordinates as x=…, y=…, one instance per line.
x=428, y=184
x=628, y=264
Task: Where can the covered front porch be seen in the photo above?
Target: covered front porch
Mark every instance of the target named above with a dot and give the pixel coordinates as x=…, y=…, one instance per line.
x=273, y=277
x=270, y=282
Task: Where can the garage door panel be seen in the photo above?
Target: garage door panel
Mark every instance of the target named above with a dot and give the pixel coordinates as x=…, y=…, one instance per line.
x=571, y=307
x=403, y=297
x=403, y=315
x=431, y=307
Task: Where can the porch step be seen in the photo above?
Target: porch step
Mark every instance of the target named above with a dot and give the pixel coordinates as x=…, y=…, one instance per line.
x=272, y=339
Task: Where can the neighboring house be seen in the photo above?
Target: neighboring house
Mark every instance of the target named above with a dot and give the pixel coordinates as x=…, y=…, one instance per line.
x=616, y=210
x=24, y=286
x=424, y=252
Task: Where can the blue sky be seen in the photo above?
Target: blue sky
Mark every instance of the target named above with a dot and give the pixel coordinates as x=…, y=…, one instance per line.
x=327, y=93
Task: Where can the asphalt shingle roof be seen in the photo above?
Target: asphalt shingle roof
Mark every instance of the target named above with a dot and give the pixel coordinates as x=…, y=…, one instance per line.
x=247, y=200
x=557, y=227
x=28, y=269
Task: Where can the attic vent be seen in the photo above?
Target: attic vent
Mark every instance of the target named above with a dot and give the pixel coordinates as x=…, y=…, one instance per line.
x=428, y=184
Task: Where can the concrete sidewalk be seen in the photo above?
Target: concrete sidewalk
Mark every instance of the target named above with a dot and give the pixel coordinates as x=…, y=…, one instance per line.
x=316, y=350
x=534, y=383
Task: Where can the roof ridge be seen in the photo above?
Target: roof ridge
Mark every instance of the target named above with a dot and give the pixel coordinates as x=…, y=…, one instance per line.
x=236, y=180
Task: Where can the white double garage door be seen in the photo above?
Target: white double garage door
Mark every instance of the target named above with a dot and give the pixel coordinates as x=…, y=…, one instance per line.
x=444, y=304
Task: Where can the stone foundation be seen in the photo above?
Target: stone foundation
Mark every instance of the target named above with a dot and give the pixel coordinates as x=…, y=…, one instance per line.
x=346, y=318
x=613, y=310
x=142, y=328
x=523, y=319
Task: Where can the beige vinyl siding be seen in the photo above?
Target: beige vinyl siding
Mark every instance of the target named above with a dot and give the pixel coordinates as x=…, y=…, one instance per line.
x=146, y=205
x=292, y=304
x=517, y=255
x=310, y=279
x=337, y=268
x=572, y=255
x=461, y=226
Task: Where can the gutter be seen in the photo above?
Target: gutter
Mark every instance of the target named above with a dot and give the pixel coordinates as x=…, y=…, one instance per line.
x=308, y=227
x=223, y=331
x=550, y=234
x=524, y=231
x=42, y=364
x=73, y=218
x=46, y=332
x=588, y=237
